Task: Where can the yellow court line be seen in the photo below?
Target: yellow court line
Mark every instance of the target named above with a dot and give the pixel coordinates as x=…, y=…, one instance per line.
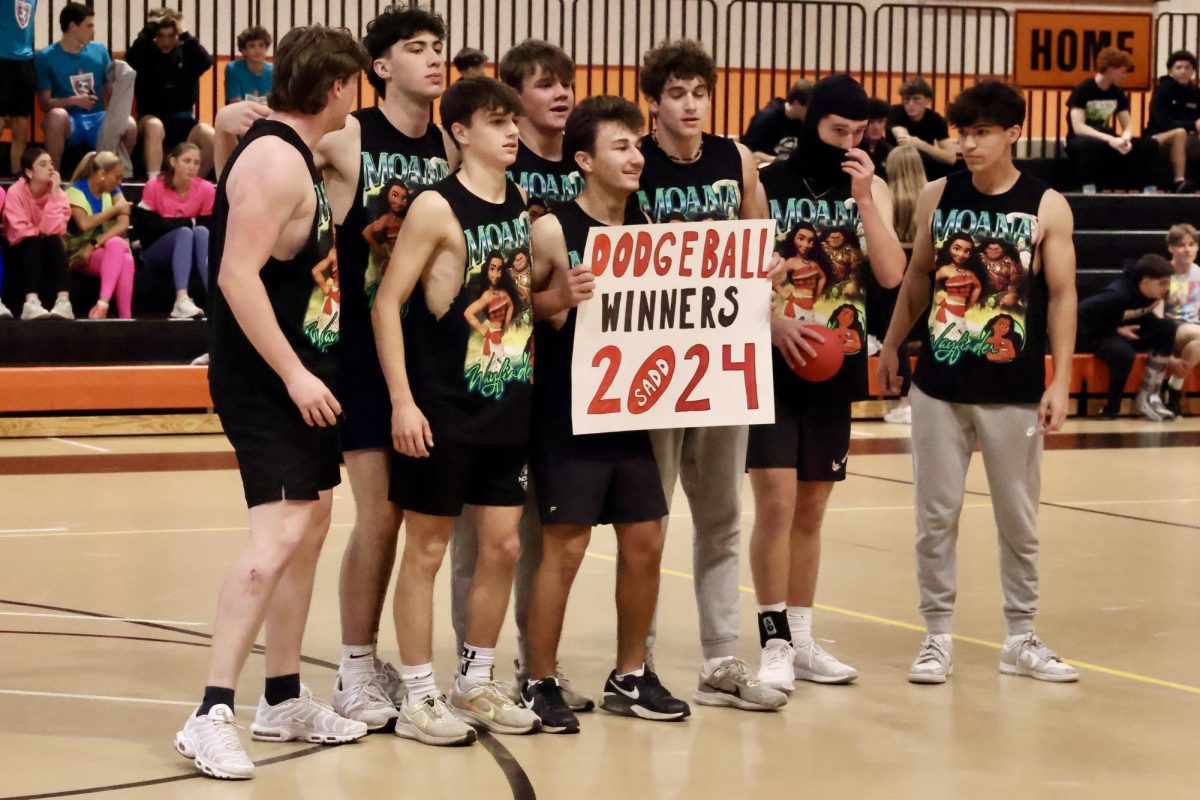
x=908, y=626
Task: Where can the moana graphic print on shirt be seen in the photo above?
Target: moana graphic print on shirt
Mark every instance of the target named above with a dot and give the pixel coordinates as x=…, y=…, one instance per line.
x=322, y=320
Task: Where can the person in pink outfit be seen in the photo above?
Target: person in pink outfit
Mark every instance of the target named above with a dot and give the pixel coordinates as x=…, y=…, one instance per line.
x=35, y=219
x=96, y=243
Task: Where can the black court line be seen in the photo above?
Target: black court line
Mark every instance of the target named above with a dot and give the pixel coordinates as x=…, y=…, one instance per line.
x=1100, y=512
x=518, y=781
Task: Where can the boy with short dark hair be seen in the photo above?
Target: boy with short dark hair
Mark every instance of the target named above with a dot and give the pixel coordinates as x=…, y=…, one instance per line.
x=250, y=77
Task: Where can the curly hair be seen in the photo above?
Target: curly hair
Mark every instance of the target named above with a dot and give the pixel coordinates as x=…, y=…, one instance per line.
x=683, y=59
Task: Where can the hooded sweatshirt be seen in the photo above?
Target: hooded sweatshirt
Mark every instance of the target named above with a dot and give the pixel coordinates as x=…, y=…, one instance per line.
x=1116, y=304
x=1173, y=106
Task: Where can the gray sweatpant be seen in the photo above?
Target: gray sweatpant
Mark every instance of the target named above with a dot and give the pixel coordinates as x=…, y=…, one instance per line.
x=943, y=436
x=464, y=551
x=711, y=463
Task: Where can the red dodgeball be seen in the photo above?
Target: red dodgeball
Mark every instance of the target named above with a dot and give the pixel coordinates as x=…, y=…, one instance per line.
x=828, y=359
x=651, y=381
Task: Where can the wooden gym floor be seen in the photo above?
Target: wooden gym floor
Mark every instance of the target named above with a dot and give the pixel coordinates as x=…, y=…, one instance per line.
x=111, y=550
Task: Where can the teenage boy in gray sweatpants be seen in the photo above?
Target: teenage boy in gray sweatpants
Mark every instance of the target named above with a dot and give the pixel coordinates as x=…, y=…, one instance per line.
x=994, y=262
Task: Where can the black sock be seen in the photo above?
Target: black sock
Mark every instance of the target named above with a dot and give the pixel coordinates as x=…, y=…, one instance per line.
x=215, y=696
x=282, y=688
x=773, y=625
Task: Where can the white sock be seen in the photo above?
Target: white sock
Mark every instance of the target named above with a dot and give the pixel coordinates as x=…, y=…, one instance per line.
x=151, y=175
x=1175, y=382
x=418, y=682
x=475, y=664
x=800, y=623
x=772, y=607
x=1014, y=638
x=943, y=638
x=637, y=673
x=357, y=659
x=710, y=664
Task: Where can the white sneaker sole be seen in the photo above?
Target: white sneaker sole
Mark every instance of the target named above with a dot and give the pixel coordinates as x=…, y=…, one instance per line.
x=1009, y=669
x=723, y=699
x=926, y=678
x=477, y=720
x=185, y=749
x=289, y=734
x=374, y=720
x=829, y=680
x=406, y=730
x=623, y=708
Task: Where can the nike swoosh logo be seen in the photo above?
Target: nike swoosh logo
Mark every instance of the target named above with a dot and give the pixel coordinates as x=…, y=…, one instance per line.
x=364, y=655
x=490, y=713
x=634, y=695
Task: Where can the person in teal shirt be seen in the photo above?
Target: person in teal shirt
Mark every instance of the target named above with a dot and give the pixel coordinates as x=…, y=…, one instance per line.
x=17, y=80
x=249, y=77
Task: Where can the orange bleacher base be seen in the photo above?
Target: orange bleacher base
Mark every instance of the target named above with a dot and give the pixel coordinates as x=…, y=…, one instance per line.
x=90, y=389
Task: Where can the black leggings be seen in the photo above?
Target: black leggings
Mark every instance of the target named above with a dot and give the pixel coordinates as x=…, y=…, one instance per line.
x=40, y=264
x=1157, y=336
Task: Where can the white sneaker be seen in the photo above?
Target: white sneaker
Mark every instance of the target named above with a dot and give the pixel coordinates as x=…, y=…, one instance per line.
x=362, y=698
x=873, y=345
x=186, y=308
x=935, y=662
x=33, y=309
x=4, y=312
x=201, y=360
x=390, y=680
x=62, y=309
x=305, y=718
x=490, y=706
x=1030, y=657
x=432, y=721
x=900, y=415
x=212, y=743
x=1145, y=405
x=730, y=684
x=775, y=670
x=812, y=663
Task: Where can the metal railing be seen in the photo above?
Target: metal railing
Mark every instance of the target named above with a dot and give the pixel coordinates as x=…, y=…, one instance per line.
x=760, y=46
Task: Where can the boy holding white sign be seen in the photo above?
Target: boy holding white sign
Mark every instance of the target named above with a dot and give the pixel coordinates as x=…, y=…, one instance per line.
x=828, y=206
x=583, y=481
x=691, y=175
x=459, y=373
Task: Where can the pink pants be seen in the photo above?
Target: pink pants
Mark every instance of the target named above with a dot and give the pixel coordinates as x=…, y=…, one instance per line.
x=113, y=262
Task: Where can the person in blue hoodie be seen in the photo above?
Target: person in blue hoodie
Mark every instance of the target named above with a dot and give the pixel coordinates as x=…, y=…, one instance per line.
x=1175, y=104
x=1126, y=318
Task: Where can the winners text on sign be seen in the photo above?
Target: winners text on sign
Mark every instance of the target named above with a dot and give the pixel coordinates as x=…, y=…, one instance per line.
x=677, y=334
x=1057, y=49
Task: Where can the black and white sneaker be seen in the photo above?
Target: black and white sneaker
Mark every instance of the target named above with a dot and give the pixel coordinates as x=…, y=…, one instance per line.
x=545, y=698
x=642, y=696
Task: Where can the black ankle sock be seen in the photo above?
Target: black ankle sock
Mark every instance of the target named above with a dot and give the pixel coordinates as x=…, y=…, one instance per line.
x=773, y=625
x=215, y=696
x=282, y=688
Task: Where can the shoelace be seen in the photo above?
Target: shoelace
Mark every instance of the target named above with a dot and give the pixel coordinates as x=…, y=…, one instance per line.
x=552, y=691
x=372, y=692
x=226, y=728
x=439, y=708
x=776, y=656
x=1039, y=648
x=933, y=650
x=736, y=669
x=498, y=693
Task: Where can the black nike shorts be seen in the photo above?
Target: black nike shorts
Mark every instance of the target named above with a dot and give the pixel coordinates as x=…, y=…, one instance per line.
x=280, y=457
x=366, y=406
x=576, y=488
x=18, y=85
x=455, y=474
x=810, y=434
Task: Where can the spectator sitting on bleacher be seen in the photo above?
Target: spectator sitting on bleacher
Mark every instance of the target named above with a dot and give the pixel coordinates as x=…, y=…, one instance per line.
x=1175, y=112
x=35, y=219
x=1126, y=318
x=914, y=122
x=18, y=82
x=874, y=140
x=1102, y=158
x=4, y=312
x=250, y=77
x=96, y=243
x=169, y=62
x=470, y=63
x=171, y=223
x=775, y=130
x=1183, y=305
x=72, y=83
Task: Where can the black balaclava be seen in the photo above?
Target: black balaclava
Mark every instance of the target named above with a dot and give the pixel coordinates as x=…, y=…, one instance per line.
x=836, y=94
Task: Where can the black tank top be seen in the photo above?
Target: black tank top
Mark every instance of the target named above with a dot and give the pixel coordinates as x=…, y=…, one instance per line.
x=707, y=189
x=303, y=290
x=394, y=168
x=819, y=234
x=475, y=387
x=552, y=368
x=546, y=183
x=985, y=338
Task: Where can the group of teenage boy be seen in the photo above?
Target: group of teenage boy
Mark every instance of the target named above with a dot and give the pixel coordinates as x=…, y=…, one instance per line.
x=407, y=351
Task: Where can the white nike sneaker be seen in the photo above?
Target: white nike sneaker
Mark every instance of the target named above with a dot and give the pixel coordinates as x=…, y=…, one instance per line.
x=33, y=309
x=812, y=663
x=390, y=680
x=775, y=670
x=4, y=312
x=212, y=743
x=935, y=662
x=1030, y=657
x=186, y=308
x=432, y=721
x=305, y=718
x=490, y=706
x=62, y=309
x=361, y=697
